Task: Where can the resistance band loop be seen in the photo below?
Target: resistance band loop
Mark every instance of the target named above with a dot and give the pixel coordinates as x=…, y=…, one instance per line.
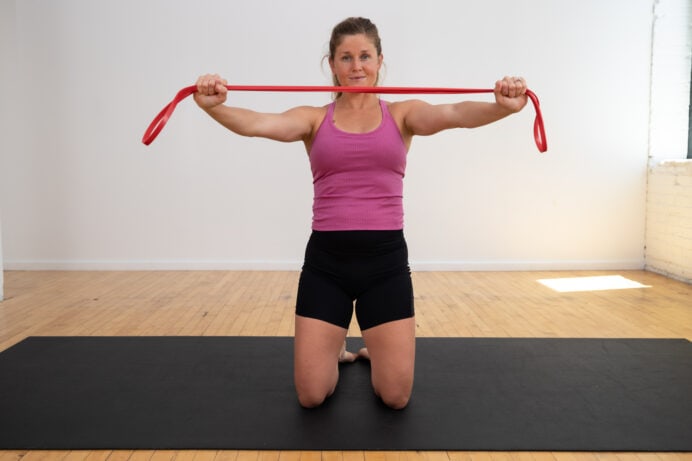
x=160, y=120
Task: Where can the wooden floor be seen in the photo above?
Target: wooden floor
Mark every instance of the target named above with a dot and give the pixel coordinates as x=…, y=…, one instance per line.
x=478, y=304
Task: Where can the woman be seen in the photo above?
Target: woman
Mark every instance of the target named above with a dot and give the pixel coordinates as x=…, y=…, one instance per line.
x=357, y=147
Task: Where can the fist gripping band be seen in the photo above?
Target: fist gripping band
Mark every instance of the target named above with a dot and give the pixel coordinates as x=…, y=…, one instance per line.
x=160, y=120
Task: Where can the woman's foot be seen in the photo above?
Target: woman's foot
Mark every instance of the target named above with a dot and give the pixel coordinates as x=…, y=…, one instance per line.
x=364, y=354
x=346, y=356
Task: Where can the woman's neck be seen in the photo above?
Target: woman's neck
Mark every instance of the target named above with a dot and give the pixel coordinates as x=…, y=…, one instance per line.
x=357, y=101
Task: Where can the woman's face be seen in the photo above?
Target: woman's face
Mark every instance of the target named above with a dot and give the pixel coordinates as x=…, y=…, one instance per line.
x=356, y=61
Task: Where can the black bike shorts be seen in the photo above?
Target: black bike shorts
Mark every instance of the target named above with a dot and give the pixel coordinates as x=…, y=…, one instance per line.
x=368, y=267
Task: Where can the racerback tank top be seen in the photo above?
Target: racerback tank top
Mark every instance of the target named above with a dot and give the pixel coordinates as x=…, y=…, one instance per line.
x=358, y=177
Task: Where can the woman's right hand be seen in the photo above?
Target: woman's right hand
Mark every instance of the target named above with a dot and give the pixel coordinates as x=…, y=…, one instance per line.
x=211, y=91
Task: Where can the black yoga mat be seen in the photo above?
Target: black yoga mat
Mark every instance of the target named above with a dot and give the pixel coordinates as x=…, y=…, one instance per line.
x=237, y=393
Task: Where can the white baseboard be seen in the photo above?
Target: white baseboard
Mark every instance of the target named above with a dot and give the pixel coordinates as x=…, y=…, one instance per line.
x=230, y=265
x=153, y=265
x=681, y=274
x=525, y=265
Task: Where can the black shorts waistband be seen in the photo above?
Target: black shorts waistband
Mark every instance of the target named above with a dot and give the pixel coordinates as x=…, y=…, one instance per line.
x=358, y=241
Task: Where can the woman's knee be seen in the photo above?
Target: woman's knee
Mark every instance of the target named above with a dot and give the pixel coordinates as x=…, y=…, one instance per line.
x=312, y=393
x=397, y=400
x=311, y=400
x=316, y=369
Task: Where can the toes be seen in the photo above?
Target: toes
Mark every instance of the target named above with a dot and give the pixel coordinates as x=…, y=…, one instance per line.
x=363, y=353
x=347, y=356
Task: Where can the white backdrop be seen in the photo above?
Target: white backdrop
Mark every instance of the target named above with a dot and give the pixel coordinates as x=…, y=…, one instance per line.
x=79, y=190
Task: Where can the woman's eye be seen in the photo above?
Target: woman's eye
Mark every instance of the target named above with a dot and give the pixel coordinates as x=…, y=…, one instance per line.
x=365, y=57
x=345, y=58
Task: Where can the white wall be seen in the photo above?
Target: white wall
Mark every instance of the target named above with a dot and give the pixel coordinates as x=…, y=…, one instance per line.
x=79, y=190
x=669, y=191
x=2, y=273
x=670, y=80
x=669, y=219
x=7, y=65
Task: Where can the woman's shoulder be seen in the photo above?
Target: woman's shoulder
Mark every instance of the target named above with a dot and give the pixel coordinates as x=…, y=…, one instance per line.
x=312, y=116
x=400, y=110
x=310, y=111
x=405, y=105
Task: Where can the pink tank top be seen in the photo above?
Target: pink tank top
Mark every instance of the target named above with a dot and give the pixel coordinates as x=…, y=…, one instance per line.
x=358, y=177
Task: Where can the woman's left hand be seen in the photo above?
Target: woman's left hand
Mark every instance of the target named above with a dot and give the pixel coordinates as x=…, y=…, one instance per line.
x=510, y=93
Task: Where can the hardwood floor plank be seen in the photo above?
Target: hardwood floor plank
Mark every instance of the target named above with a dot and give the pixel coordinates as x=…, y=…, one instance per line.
x=220, y=303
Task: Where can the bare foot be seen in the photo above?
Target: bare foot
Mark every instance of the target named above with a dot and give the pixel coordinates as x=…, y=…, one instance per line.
x=364, y=354
x=346, y=356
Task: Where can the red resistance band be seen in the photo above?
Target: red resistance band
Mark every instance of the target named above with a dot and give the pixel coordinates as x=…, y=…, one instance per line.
x=160, y=120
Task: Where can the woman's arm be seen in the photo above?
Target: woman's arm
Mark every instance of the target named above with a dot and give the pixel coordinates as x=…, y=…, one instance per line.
x=293, y=125
x=421, y=118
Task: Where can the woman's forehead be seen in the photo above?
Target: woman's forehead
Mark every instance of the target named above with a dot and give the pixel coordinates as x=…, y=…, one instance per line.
x=359, y=42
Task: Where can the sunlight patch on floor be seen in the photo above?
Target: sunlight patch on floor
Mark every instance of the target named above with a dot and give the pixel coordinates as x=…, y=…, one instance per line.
x=595, y=283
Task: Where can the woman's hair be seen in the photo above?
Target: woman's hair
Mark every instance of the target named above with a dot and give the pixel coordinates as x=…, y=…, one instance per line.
x=353, y=26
